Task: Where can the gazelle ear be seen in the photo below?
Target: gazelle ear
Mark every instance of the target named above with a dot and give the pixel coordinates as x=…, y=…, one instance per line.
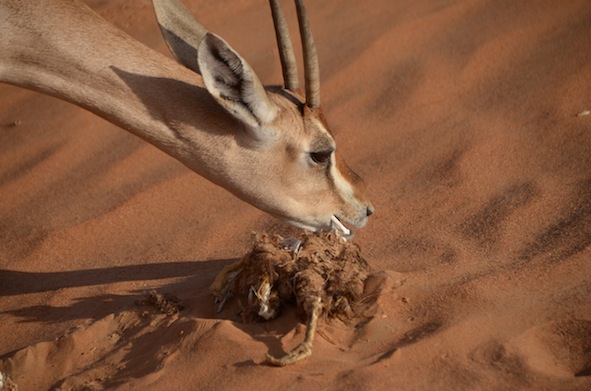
x=231, y=81
x=180, y=30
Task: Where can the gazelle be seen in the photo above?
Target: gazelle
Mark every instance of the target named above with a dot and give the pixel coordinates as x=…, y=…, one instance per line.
x=269, y=146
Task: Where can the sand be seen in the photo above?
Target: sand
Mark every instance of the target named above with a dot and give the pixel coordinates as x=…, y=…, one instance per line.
x=469, y=122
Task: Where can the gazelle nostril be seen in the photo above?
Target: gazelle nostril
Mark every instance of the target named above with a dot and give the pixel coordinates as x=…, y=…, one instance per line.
x=370, y=210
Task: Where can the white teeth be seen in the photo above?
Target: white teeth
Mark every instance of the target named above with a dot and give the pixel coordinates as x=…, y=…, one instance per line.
x=340, y=227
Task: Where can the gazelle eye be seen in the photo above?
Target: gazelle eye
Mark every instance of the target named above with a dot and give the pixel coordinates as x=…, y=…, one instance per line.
x=321, y=157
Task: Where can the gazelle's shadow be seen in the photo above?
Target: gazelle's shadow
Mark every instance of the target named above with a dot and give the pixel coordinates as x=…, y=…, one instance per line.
x=188, y=281
x=194, y=274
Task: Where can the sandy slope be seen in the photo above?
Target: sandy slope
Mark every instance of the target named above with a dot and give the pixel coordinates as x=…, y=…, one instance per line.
x=467, y=120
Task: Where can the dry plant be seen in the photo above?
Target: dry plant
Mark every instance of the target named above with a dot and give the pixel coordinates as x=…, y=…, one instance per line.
x=322, y=273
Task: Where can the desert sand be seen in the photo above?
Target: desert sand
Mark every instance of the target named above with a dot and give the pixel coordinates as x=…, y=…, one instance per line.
x=469, y=122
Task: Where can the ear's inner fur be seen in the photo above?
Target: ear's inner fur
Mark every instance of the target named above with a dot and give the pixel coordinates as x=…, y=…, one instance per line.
x=231, y=81
x=229, y=76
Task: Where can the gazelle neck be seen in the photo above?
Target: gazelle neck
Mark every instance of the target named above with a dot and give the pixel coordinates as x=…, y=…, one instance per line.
x=115, y=77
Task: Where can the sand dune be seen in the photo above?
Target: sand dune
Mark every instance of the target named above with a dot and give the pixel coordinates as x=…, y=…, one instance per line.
x=469, y=122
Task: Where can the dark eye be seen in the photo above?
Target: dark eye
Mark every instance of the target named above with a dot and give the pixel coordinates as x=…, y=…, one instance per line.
x=321, y=157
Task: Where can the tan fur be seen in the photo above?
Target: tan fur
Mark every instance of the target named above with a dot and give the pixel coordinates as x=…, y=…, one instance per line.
x=62, y=48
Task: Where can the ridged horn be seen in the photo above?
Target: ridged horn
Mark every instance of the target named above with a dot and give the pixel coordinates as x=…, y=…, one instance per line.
x=288, y=62
x=311, y=68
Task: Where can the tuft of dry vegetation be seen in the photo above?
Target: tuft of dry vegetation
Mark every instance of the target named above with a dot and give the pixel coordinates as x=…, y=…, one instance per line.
x=322, y=273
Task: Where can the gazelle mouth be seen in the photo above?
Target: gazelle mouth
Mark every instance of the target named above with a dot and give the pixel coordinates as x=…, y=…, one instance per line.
x=340, y=228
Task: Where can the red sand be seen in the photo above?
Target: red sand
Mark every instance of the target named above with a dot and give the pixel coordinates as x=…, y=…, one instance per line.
x=467, y=121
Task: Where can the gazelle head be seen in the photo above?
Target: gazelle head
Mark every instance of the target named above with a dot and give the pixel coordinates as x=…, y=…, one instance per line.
x=285, y=161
